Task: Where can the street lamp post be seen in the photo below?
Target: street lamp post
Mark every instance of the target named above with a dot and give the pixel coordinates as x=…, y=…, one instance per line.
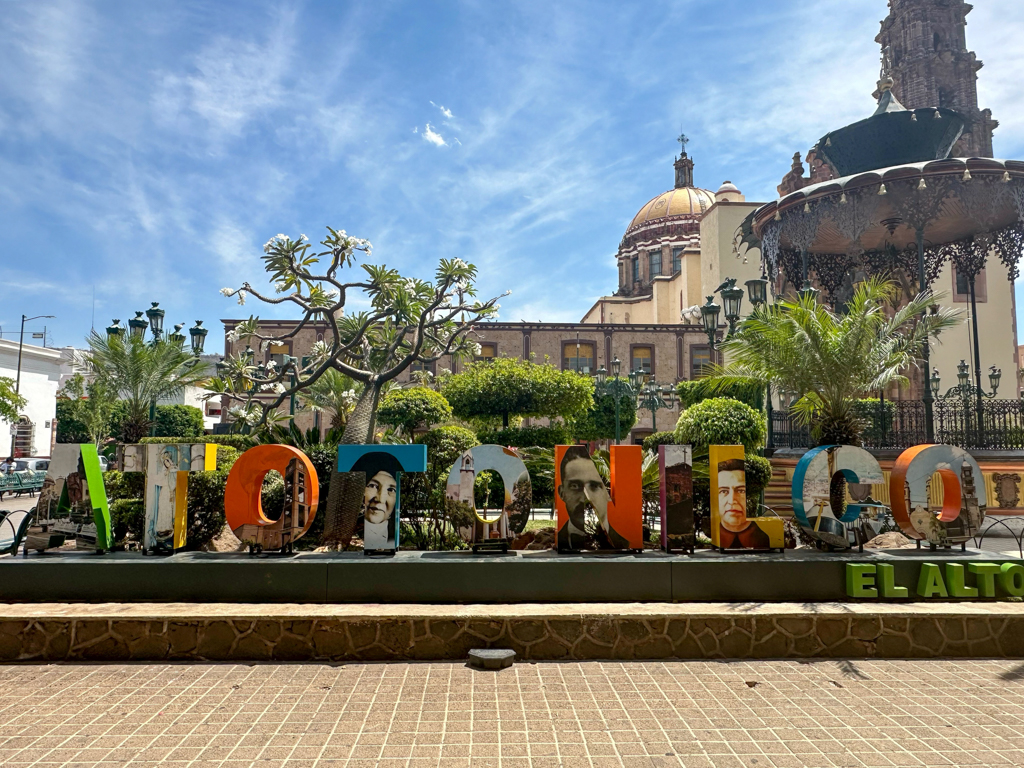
x=617, y=389
x=17, y=380
x=758, y=291
x=965, y=392
x=153, y=319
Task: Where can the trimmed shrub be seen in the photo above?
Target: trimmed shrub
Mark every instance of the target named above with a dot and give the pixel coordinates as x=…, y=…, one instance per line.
x=528, y=437
x=180, y=421
x=652, y=442
x=205, y=507
x=721, y=421
x=444, y=446
x=410, y=408
x=693, y=392
x=124, y=485
x=127, y=516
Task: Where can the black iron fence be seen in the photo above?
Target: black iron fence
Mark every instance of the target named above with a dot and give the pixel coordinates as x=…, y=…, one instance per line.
x=899, y=425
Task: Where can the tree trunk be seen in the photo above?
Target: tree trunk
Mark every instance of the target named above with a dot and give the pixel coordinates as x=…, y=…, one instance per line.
x=363, y=419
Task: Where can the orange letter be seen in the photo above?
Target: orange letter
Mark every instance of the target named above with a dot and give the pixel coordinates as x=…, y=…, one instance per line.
x=243, y=506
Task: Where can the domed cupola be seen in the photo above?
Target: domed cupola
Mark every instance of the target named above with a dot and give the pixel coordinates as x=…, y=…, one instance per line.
x=669, y=222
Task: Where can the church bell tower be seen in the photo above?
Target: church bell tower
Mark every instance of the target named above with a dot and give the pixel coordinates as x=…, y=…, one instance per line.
x=924, y=45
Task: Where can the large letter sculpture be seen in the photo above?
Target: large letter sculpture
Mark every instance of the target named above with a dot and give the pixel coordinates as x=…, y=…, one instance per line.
x=731, y=529
x=963, y=507
x=812, y=484
x=579, y=489
x=675, y=463
x=494, y=533
x=381, y=467
x=167, y=468
x=72, y=503
x=276, y=529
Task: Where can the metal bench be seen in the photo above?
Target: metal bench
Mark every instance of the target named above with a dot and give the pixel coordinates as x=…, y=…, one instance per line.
x=21, y=482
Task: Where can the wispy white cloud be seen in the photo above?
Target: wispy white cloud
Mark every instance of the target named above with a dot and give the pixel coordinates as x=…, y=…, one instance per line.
x=446, y=112
x=435, y=138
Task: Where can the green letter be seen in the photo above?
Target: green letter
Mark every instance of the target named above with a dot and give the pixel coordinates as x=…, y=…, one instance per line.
x=887, y=582
x=1012, y=579
x=985, y=576
x=860, y=580
x=955, y=580
x=930, y=584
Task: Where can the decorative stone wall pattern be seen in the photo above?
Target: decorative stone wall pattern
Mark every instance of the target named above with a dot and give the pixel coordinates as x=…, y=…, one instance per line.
x=731, y=633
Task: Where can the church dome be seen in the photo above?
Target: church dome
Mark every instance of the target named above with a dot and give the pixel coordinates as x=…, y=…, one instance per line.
x=684, y=201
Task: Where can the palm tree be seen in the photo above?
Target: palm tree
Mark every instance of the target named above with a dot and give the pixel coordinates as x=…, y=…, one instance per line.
x=141, y=374
x=831, y=359
x=333, y=393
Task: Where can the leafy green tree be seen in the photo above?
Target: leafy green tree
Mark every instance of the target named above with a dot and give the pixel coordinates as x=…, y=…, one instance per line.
x=831, y=359
x=511, y=387
x=83, y=411
x=333, y=393
x=10, y=401
x=140, y=373
x=413, y=407
x=409, y=321
x=599, y=422
x=184, y=421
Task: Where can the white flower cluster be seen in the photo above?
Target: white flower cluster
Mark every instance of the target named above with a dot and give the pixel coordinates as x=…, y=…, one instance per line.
x=227, y=291
x=231, y=336
x=349, y=397
x=459, y=263
x=241, y=297
x=475, y=348
x=280, y=286
x=249, y=415
x=277, y=388
x=351, y=244
x=269, y=245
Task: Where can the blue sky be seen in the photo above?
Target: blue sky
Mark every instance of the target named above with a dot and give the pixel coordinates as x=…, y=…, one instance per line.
x=149, y=149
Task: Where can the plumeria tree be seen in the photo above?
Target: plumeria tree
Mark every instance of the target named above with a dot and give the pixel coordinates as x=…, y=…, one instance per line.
x=408, y=321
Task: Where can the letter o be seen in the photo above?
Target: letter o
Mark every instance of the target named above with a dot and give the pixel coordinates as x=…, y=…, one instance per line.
x=1011, y=578
x=243, y=505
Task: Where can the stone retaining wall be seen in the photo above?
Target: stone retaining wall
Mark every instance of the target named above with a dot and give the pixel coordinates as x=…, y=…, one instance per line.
x=375, y=633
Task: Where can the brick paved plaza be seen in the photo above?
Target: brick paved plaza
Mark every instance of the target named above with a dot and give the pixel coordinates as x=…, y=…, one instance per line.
x=763, y=714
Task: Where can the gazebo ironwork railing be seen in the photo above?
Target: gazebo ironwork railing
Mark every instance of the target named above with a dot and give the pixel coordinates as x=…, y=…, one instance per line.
x=898, y=425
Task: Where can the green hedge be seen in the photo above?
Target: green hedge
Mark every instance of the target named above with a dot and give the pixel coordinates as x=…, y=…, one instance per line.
x=241, y=443
x=652, y=442
x=528, y=437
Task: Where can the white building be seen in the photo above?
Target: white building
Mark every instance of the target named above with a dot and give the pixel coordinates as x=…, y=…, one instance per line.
x=41, y=370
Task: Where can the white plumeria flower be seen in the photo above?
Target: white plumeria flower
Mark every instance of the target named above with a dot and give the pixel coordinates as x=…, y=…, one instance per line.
x=302, y=237
x=241, y=297
x=226, y=291
x=280, y=286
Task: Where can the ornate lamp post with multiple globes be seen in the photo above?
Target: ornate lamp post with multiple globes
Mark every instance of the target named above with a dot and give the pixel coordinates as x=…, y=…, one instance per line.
x=155, y=322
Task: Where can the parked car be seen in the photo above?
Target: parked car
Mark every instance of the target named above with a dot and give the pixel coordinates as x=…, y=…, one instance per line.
x=36, y=465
